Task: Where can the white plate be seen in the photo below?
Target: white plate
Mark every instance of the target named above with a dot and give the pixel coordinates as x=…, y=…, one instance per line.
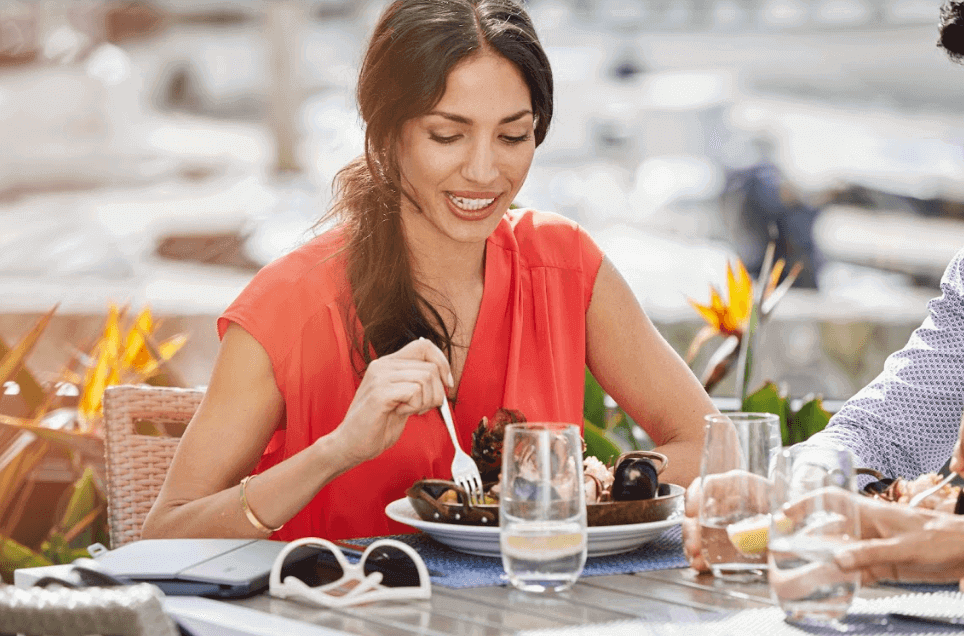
x=484, y=541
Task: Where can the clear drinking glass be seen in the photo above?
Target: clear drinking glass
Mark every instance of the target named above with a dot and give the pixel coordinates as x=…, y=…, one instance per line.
x=814, y=514
x=542, y=506
x=735, y=504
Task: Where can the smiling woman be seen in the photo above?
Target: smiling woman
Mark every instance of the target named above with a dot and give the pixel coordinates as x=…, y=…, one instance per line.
x=322, y=406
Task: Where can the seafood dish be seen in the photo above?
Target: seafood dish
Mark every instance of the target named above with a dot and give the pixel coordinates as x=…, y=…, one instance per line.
x=628, y=491
x=902, y=490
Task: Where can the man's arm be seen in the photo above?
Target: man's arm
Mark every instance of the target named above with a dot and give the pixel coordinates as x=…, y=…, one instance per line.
x=906, y=421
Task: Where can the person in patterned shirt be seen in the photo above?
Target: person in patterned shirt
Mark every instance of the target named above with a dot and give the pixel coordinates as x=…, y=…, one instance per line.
x=906, y=422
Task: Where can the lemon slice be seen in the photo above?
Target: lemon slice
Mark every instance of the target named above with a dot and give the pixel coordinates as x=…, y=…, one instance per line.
x=750, y=535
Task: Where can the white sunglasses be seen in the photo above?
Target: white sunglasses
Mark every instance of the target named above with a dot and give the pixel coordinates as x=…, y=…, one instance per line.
x=340, y=583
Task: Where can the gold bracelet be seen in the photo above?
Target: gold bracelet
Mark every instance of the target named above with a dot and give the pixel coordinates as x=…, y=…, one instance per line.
x=250, y=514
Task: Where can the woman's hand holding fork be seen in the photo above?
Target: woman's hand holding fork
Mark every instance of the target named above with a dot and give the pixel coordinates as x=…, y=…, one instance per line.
x=410, y=381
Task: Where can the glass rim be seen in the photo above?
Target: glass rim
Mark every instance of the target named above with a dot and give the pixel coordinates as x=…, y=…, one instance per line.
x=746, y=416
x=541, y=426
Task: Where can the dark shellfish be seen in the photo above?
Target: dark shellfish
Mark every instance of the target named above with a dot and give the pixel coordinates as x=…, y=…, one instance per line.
x=636, y=477
x=425, y=496
x=487, y=441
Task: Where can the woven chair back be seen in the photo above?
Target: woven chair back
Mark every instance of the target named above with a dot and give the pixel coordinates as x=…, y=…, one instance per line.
x=142, y=426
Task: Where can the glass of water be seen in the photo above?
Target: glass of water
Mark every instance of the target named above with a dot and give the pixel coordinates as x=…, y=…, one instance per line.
x=735, y=505
x=542, y=506
x=814, y=514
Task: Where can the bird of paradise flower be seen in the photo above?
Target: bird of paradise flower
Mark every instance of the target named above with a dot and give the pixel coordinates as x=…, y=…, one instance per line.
x=733, y=318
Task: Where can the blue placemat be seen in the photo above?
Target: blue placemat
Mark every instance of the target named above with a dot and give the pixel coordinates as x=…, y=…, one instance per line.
x=461, y=570
x=925, y=588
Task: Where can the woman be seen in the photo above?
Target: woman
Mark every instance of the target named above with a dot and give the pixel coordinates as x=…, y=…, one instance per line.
x=322, y=387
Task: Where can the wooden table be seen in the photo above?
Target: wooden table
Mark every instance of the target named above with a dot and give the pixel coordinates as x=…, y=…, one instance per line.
x=657, y=596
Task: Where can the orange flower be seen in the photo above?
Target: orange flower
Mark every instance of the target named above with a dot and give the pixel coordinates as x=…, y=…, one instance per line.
x=730, y=318
x=133, y=358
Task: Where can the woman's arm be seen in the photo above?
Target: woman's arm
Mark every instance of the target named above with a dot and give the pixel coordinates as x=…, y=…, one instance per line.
x=646, y=377
x=237, y=417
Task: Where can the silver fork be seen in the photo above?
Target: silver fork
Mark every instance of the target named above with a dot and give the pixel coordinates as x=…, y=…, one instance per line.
x=464, y=471
x=921, y=496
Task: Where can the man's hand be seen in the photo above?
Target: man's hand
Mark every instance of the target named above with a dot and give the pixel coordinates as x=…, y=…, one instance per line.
x=907, y=545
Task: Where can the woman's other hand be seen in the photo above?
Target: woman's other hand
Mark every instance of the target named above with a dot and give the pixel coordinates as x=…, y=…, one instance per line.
x=727, y=489
x=411, y=380
x=692, y=540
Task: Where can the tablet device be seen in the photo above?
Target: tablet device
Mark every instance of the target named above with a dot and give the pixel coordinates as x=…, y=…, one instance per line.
x=217, y=568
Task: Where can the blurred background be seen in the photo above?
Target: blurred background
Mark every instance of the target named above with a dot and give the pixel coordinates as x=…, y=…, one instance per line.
x=159, y=153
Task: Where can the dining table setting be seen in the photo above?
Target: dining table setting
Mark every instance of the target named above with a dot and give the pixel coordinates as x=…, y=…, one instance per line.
x=536, y=539
x=559, y=546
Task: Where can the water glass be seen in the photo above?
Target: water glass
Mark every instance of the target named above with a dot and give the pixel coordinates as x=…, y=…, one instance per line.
x=814, y=514
x=542, y=506
x=735, y=504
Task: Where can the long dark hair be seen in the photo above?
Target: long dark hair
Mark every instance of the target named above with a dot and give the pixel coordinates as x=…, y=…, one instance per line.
x=414, y=46
x=952, y=29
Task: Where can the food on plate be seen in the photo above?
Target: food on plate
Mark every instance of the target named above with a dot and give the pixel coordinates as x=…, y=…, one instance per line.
x=487, y=442
x=902, y=490
x=598, y=479
x=634, y=478
x=641, y=498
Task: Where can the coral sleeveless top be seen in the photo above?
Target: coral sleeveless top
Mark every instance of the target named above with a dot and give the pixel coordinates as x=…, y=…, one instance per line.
x=528, y=352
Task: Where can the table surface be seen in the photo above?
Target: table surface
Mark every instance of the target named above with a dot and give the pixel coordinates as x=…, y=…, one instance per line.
x=657, y=596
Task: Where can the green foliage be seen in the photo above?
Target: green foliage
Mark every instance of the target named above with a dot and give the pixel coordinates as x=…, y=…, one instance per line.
x=594, y=402
x=36, y=430
x=795, y=426
x=608, y=432
x=82, y=523
x=13, y=555
x=598, y=445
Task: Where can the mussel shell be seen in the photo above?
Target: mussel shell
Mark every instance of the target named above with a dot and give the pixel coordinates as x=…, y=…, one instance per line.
x=877, y=487
x=424, y=496
x=424, y=500
x=635, y=479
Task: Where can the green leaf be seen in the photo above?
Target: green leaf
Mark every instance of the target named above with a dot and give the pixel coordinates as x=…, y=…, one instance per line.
x=597, y=444
x=594, y=406
x=625, y=429
x=84, y=499
x=14, y=555
x=744, y=365
x=811, y=418
x=769, y=399
x=58, y=549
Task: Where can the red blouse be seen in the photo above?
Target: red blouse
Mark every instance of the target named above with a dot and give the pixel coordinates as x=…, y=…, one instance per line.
x=528, y=352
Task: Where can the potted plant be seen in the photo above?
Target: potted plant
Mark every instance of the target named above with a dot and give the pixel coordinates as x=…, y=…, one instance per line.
x=40, y=525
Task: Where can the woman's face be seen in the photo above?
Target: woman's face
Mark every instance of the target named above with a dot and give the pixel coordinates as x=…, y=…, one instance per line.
x=465, y=160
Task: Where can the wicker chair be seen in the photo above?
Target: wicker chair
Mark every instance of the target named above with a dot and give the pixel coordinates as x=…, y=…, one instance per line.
x=138, y=462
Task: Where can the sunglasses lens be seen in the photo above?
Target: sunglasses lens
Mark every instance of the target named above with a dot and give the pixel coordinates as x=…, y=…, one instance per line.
x=314, y=565
x=397, y=567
